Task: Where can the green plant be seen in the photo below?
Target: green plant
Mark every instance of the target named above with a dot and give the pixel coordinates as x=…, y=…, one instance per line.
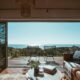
x=34, y=64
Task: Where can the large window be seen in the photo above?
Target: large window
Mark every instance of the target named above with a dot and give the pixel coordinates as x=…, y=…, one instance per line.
x=39, y=39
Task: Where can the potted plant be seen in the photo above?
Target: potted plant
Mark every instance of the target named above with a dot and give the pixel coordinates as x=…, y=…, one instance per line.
x=35, y=64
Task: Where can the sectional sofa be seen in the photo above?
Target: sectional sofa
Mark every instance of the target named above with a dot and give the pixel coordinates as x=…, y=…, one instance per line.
x=71, y=65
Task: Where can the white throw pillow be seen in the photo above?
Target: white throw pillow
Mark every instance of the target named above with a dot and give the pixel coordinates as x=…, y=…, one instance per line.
x=76, y=55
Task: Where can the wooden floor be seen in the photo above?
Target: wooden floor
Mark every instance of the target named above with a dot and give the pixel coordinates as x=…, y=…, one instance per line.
x=13, y=71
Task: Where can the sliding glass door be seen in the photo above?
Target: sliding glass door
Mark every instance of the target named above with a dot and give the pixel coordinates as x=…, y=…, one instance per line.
x=3, y=45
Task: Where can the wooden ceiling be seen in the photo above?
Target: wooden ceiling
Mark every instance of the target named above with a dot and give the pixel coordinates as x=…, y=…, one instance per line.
x=40, y=8
x=72, y=4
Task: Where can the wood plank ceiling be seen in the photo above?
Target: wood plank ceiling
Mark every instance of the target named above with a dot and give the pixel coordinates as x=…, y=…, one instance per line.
x=40, y=9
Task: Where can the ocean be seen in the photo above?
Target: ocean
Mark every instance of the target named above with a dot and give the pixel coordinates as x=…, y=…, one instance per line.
x=42, y=46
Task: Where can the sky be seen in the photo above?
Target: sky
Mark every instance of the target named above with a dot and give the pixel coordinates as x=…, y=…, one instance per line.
x=40, y=33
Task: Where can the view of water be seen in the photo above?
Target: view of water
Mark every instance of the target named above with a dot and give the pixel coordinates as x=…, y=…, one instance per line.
x=57, y=45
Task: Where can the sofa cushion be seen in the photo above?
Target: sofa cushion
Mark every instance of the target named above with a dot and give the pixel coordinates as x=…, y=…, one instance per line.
x=76, y=55
x=67, y=66
x=78, y=74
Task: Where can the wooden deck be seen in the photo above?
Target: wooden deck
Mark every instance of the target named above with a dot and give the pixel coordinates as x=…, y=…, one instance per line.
x=16, y=73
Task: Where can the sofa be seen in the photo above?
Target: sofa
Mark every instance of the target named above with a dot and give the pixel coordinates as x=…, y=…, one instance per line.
x=71, y=65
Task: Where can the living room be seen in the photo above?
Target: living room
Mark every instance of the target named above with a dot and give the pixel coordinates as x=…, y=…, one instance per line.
x=39, y=38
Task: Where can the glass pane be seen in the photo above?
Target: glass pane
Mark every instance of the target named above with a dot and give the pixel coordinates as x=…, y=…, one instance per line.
x=3, y=45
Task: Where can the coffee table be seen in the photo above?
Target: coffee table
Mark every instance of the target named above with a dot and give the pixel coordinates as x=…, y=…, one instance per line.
x=57, y=76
